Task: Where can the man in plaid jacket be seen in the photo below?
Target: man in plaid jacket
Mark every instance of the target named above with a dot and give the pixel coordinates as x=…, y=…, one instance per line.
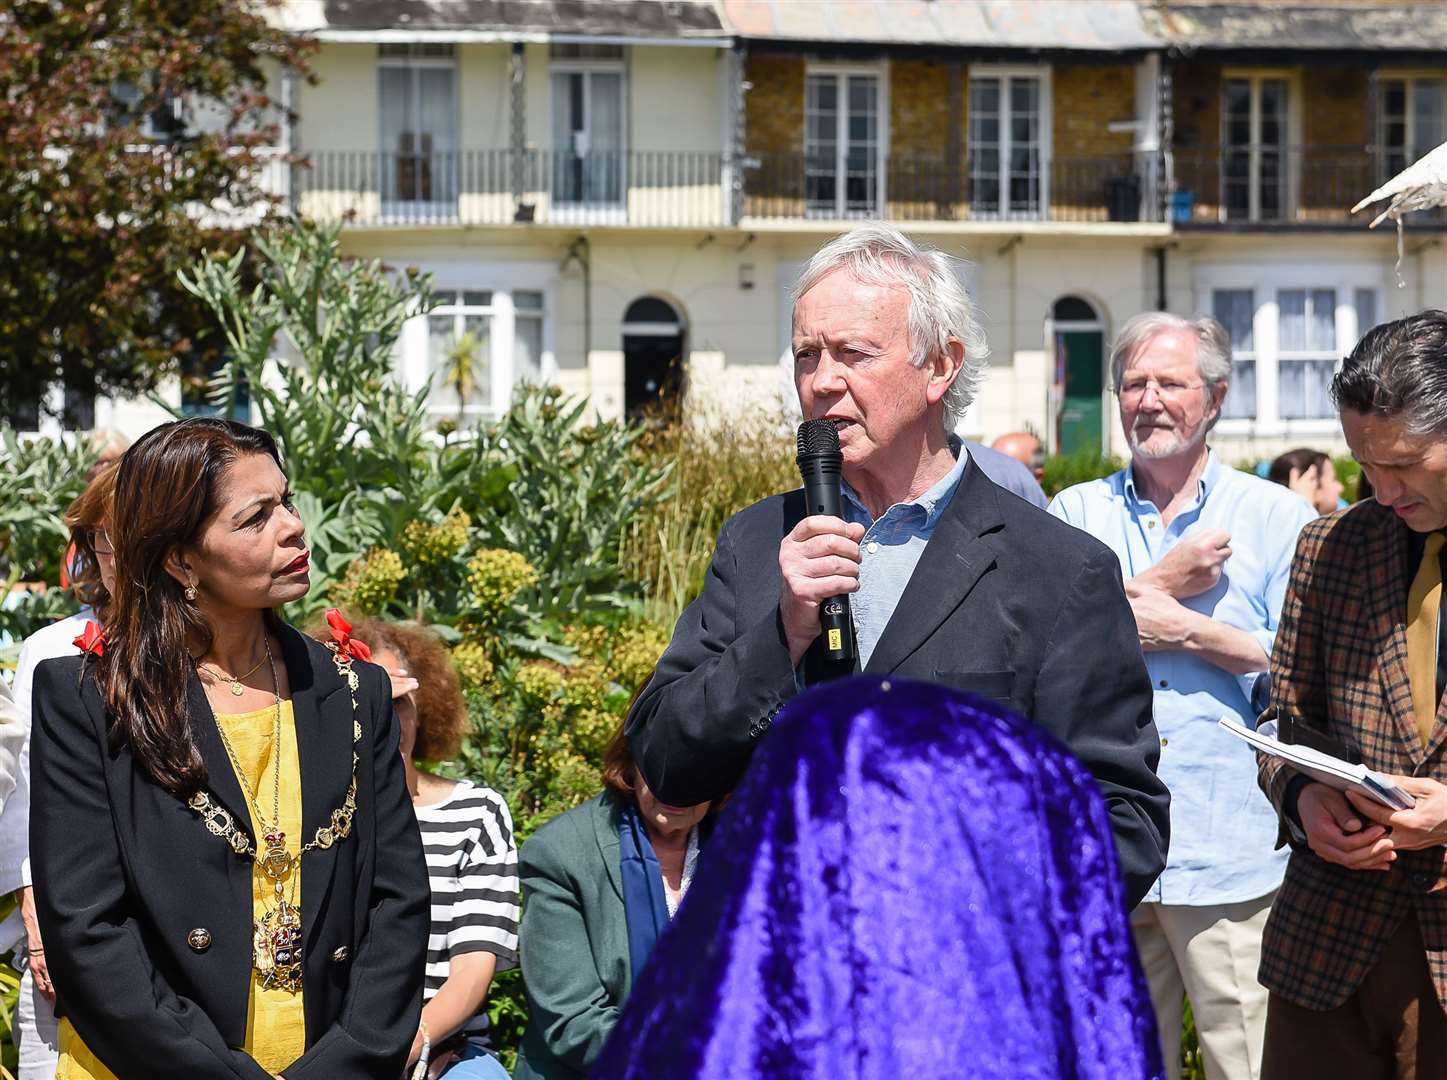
x=1355, y=950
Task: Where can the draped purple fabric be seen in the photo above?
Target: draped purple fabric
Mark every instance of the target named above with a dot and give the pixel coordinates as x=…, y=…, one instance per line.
x=910, y=883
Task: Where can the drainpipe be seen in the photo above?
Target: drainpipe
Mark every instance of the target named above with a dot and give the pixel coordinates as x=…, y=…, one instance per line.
x=735, y=134
x=286, y=161
x=1161, y=302
x=517, y=132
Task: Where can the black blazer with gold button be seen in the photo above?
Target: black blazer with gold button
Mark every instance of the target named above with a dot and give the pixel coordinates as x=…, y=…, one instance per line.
x=146, y=916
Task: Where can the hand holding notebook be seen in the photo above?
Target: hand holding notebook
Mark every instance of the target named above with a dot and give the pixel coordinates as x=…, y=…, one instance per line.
x=1329, y=770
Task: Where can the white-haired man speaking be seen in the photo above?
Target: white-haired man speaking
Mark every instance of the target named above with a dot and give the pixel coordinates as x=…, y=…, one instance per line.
x=952, y=579
x=1207, y=554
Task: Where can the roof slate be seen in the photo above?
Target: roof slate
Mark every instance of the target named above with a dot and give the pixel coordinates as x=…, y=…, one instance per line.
x=1375, y=27
x=630, y=18
x=1081, y=25
x=1100, y=25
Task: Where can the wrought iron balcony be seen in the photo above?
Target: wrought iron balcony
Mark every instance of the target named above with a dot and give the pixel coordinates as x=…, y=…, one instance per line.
x=502, y=187
x=1275, y=186
x=673, y=189
x=1120, y=188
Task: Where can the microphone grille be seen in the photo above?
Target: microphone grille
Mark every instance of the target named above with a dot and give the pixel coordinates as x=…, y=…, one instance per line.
x=818, y=437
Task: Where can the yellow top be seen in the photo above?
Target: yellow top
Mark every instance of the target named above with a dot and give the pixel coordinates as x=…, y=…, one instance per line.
x=275, y=1025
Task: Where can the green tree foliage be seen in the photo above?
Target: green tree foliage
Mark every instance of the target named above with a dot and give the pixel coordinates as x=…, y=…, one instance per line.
x=39, y=478
x=132, y=132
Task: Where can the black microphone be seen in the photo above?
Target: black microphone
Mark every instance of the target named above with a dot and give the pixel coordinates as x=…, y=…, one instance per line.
x=821, y=465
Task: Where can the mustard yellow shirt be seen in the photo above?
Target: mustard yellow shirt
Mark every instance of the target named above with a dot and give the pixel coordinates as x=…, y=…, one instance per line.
x=275, y=1024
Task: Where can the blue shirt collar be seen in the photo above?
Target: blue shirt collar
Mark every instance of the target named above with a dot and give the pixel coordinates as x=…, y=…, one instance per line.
x=1209, y=478
x=933, y=502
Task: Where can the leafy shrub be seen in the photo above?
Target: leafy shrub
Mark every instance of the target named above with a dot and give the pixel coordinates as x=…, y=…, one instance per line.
x=1066, y=470
x=39, y=478
x=1350, y=475
x=573, y=491
x=719, y=469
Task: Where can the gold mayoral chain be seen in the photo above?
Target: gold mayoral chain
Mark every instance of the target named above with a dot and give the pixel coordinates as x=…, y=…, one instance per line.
x=276, y=941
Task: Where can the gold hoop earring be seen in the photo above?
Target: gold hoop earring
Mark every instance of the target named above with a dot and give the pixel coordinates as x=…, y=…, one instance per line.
x=190, y=592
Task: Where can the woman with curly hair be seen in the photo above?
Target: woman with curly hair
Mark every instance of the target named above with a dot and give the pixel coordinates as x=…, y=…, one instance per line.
x=471, y=858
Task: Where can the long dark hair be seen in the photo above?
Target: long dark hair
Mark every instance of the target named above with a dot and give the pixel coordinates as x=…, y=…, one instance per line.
x=166, y=491
x=1303, y=460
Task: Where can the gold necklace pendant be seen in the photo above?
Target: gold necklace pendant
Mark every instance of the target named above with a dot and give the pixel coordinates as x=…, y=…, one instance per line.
x=275, y=860
x=237, y=689
x=277, y=947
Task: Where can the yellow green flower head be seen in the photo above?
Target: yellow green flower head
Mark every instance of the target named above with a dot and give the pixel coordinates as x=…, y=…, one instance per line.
x=496, y=576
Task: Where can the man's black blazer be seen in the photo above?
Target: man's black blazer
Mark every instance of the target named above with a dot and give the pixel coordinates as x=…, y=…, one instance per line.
x=124, y=873
x=1007, y=602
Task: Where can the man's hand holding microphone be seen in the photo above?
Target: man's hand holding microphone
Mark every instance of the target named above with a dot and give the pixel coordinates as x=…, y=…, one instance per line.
x=819, y=559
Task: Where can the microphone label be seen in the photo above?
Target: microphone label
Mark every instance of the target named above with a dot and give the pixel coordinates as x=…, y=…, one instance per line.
x=836, y=640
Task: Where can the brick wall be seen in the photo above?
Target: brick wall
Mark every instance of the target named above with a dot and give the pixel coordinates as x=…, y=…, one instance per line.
x=919, y=108
x=1333, y=169
x=1087, y=156
x=774, y=105
x=927, y=140
x=1196, y=106
x=774, y=135
x=1086, y=99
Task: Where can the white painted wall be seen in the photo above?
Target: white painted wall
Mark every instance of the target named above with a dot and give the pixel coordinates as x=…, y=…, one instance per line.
x=340, y=111
x=736, y=335
x=484, y=109
x=674, y=98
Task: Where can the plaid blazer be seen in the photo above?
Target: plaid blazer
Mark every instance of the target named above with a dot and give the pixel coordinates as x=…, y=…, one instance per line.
x=1339, y=668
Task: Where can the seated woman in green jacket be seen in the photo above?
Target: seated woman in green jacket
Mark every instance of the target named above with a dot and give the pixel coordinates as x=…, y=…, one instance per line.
x=600, y=884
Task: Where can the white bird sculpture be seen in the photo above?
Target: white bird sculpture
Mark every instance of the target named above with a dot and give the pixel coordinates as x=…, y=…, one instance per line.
x=1420, y=186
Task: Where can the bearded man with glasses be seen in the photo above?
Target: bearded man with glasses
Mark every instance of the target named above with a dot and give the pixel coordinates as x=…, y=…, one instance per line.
x=1206, y=552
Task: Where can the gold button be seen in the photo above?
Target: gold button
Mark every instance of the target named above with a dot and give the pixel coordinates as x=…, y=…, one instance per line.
x=341, y=954
x=1165, y=742
x=199, y=939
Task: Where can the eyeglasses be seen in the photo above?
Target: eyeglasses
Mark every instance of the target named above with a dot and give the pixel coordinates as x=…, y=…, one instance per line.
x=1132, y=390
x=100, y=543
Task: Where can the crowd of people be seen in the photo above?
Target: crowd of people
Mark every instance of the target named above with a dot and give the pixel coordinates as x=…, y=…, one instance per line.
x=1009, y=838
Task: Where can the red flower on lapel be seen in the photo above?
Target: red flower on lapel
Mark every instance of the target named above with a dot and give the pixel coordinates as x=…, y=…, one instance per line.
x=342, y=635
x=92, y=639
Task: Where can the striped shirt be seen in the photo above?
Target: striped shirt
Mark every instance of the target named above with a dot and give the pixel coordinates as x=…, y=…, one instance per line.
x=473, y=866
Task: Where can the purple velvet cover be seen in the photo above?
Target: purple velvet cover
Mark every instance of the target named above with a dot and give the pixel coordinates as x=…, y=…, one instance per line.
x=910, y=883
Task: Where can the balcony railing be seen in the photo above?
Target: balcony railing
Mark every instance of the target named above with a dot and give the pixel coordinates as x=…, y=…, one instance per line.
x=695, y=190
x=1121, y=187
x=1275, y=185
x=500, y=187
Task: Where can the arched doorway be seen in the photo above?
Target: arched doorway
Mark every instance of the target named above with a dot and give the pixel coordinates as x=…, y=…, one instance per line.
x=653, y=342
x=1078, y=335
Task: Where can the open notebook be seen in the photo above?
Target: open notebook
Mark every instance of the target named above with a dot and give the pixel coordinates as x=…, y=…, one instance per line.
x=1332, y=771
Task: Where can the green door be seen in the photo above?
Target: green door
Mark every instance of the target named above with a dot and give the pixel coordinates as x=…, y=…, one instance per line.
x=1081, y=414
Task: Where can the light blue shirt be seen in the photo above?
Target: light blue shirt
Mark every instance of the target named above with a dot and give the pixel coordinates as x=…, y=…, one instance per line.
x=1223, y=829
x=891, y=549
